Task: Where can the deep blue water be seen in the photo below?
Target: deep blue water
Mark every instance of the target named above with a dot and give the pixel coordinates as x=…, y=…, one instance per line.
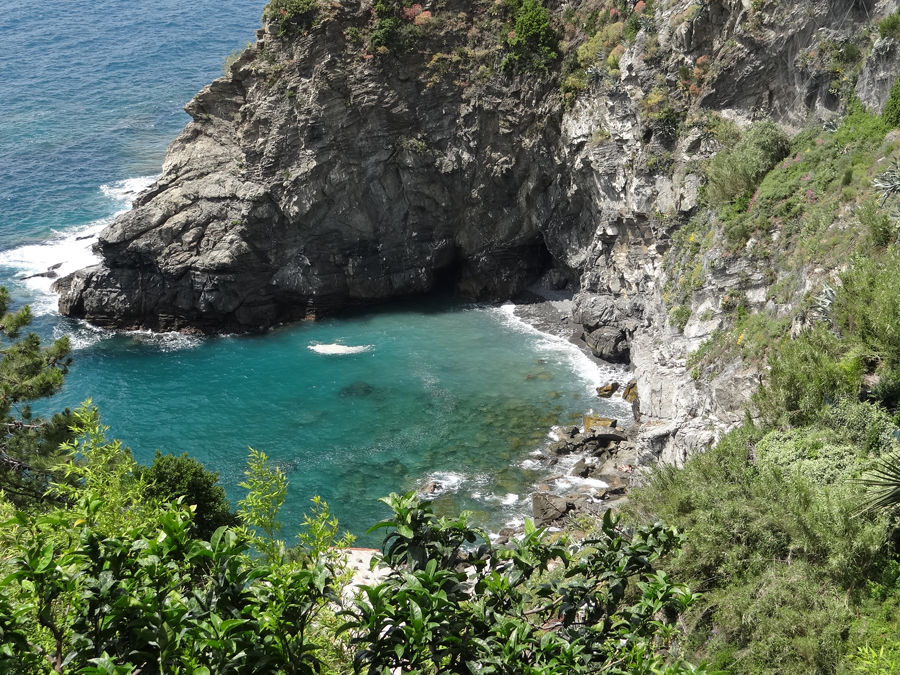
x=437, y=389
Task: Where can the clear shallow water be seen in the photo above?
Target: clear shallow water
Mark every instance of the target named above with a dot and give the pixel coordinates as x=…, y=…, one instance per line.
x=353, y=407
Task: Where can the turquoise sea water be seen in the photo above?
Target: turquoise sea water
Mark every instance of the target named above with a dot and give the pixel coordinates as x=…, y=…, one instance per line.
x=353, y=407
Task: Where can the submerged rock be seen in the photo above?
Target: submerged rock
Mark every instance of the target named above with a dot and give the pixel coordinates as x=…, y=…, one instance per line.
x=358, y=388
x=593, y=422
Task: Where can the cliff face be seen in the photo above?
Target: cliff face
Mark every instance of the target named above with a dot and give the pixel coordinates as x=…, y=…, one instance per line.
x=314, y=178
x=317, y=176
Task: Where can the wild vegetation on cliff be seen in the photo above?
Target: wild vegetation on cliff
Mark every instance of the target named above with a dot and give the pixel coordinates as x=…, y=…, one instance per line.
x=796, y=575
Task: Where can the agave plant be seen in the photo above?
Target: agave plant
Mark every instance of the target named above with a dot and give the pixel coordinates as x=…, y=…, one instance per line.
x=883, y=483
x=888, y=183
x=832, y=125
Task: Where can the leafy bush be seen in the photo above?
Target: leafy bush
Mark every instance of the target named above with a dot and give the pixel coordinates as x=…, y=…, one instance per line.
x=170, y=478
x=609, y=611
x=291, y=15
x=112, y=582
x=738, y=170
x=131, y=600
x=533, y=42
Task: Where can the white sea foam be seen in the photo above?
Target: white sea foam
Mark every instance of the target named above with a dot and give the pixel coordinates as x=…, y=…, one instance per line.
x=339, y=349
x=515, y=522
x=509, y=499
x=590, y=372
x=531, y=464
x=128, y=189
x=166, y=342
x=84, y=335
x=65, y=251
x=568, y=482
x=441, y=482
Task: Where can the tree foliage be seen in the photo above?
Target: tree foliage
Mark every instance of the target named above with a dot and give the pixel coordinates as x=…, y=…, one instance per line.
x=532, y=43
x=29, y=444
x=170, y=478
x=115, y=583
x=536, y=606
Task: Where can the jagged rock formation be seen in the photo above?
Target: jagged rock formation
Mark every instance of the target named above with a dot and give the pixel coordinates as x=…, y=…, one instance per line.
x=313, y=178
x=316, y=176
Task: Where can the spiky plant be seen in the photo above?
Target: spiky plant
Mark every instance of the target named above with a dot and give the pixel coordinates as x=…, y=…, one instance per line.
x=882, y=483
x=888, y=183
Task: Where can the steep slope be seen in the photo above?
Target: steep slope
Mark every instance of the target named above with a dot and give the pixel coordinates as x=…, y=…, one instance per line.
x=380, y=150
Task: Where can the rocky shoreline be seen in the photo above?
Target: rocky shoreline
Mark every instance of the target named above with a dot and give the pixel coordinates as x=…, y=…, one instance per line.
x=585, y=469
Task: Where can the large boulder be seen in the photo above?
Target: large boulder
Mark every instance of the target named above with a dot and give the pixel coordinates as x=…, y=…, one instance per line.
x=547, y=508
x=608, y=343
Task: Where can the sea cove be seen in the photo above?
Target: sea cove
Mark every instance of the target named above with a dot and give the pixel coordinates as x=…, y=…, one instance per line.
x=355, y=406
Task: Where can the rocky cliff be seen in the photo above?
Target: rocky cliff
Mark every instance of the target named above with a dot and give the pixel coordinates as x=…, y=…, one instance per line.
x=324, y=171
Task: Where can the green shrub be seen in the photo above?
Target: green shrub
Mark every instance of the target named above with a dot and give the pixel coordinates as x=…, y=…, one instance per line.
x=890, y=26
x=632, y=27
x=170, y=478
x=891, y=113
x=868, y=426
x=679, y=316
x=880, y=662
x=587, y=53
x=867, y=308
x=740, y=516
x=860, y=128
x=786, y=620
x=291, y=14
x=805, y=375
x=738, y=170
x=533, y=45
x=781, y=560
x=818, y=454
x=228, y=62
x=886, y=391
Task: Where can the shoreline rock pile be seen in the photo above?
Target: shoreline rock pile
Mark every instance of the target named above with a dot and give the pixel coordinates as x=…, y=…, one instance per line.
x=597, y=464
